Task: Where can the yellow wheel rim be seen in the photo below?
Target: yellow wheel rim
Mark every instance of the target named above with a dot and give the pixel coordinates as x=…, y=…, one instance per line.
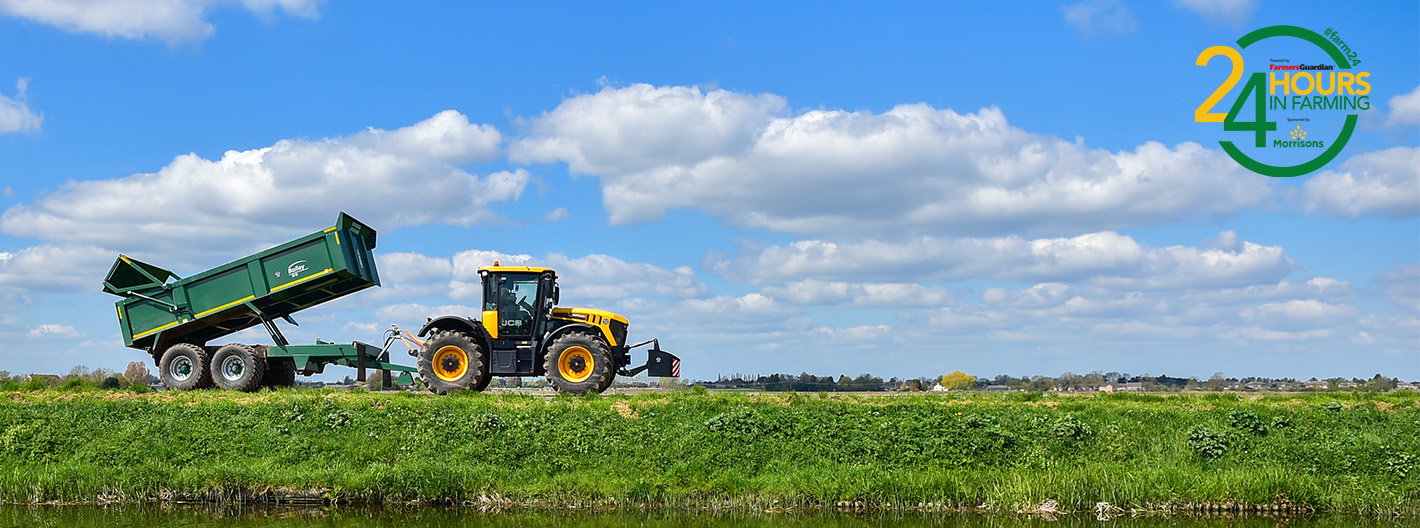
x=575, y=364
x=450, y=363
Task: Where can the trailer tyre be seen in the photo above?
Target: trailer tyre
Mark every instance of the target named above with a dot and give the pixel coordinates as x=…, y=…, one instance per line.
x=237, y=367
x=185, y=366
x=451, y=361
x=577, y=363
x=279, y=373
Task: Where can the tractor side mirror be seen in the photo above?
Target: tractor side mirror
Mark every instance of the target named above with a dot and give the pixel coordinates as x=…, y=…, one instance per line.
x=556, y=294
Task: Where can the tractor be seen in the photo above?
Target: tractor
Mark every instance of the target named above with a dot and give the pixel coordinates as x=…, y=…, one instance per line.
x=523, y=333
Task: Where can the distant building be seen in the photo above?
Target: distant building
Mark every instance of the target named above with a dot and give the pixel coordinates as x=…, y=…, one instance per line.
x=1316, y=384
x=997, y=388
x=1133, y=386
x=1405, y=386
x=1346, y=385
x=49, y=380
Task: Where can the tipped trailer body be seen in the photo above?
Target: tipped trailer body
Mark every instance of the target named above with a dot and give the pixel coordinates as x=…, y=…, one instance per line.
x=174, y=319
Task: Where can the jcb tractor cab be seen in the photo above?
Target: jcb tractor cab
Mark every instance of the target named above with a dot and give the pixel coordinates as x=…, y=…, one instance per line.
x=522, y=333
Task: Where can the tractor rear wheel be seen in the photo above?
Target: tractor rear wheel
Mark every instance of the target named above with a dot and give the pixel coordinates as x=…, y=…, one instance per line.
x=237, y=367
x=577, y=363
x=451, y=361
x=185, y=366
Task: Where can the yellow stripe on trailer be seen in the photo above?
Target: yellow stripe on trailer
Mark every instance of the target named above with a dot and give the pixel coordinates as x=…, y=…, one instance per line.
x=226, y=306
x=298, y=281
x=160, y=328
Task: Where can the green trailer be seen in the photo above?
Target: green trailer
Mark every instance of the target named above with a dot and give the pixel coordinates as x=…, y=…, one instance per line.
x=175, y=318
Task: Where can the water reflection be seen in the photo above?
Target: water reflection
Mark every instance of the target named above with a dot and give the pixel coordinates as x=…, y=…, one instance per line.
x=289, y=517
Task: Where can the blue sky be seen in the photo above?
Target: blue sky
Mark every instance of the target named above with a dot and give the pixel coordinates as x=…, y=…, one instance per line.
x=835, y=188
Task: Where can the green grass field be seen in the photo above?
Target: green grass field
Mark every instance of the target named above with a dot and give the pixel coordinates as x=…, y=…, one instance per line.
x=1349, y=453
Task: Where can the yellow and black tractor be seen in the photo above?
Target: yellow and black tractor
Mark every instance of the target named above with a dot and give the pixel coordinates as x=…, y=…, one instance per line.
x=523, y=333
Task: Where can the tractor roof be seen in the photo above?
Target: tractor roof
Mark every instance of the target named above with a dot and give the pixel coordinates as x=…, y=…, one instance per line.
x=495, y=268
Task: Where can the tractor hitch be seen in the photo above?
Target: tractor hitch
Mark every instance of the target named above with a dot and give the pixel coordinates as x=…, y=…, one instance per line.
x=659, y=363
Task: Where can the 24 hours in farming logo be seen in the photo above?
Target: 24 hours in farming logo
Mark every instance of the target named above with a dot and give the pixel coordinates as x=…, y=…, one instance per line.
x=1301, y=96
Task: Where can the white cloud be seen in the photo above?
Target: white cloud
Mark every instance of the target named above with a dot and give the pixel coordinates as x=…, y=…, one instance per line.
x=1380, y=182
x=15, y=114
x=53, y=330
x=410, y=316
x=1297, y=314
x=1234, y=12
x=1105, y=17
x=1402, y=286
x=868, y=295
x=413, y=268
x=54, y=268
x=590, y=278
x=1105, y=258
x=248, y=200
x=168, y=20
x=1405, y=109
x=642, y=127
x=559, y=213
x=912, y=170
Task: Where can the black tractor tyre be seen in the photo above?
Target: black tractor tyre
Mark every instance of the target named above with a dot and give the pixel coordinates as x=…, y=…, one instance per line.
x=185, y=366
x=607, y=381
x=577, y=363
x=280, y=372
x=451, y=361
x=238, y=367
x=482, y=383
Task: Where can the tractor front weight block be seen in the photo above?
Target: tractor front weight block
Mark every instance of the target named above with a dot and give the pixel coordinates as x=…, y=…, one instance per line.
x=659, y=363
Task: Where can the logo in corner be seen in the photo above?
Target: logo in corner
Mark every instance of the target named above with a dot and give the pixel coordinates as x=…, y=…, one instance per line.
x=1314, y=82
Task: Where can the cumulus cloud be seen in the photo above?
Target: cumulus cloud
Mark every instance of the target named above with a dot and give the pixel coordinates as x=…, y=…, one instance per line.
x=1402, y=286
x=1233, y=12
x=53, y=330
x=413, y=268
x=590, y=278
x=168, y=20
x=54, y=268
x=15, y=114
x=1380, y=182
x=247, y=200
x=1102, y=17
x=1405, y=109
x=1105, y=258
x=914, y=169
x=868, y=295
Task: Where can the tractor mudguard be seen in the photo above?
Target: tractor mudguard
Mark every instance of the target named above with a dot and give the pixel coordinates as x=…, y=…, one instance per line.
x=453, y=322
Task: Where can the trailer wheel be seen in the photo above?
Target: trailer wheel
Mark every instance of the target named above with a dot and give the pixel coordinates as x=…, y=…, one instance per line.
x=451, y=361
x=577, y=363
x=237, y=367
x=185, y=366
x=279, y=373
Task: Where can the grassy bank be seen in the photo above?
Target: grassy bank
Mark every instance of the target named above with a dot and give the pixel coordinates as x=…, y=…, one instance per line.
x=1331, y=452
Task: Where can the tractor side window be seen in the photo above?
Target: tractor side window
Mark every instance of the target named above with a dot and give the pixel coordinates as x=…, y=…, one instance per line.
x=516, y=297
x=490, y=295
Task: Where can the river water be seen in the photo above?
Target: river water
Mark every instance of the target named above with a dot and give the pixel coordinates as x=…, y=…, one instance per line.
x=386, y=517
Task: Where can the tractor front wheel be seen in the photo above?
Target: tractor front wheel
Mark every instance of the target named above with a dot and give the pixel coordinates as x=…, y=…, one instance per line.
x=451, y=361
x=578, y=363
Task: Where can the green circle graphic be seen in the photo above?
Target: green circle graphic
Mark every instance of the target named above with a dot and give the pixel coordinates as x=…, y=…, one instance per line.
x=1340, y=143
